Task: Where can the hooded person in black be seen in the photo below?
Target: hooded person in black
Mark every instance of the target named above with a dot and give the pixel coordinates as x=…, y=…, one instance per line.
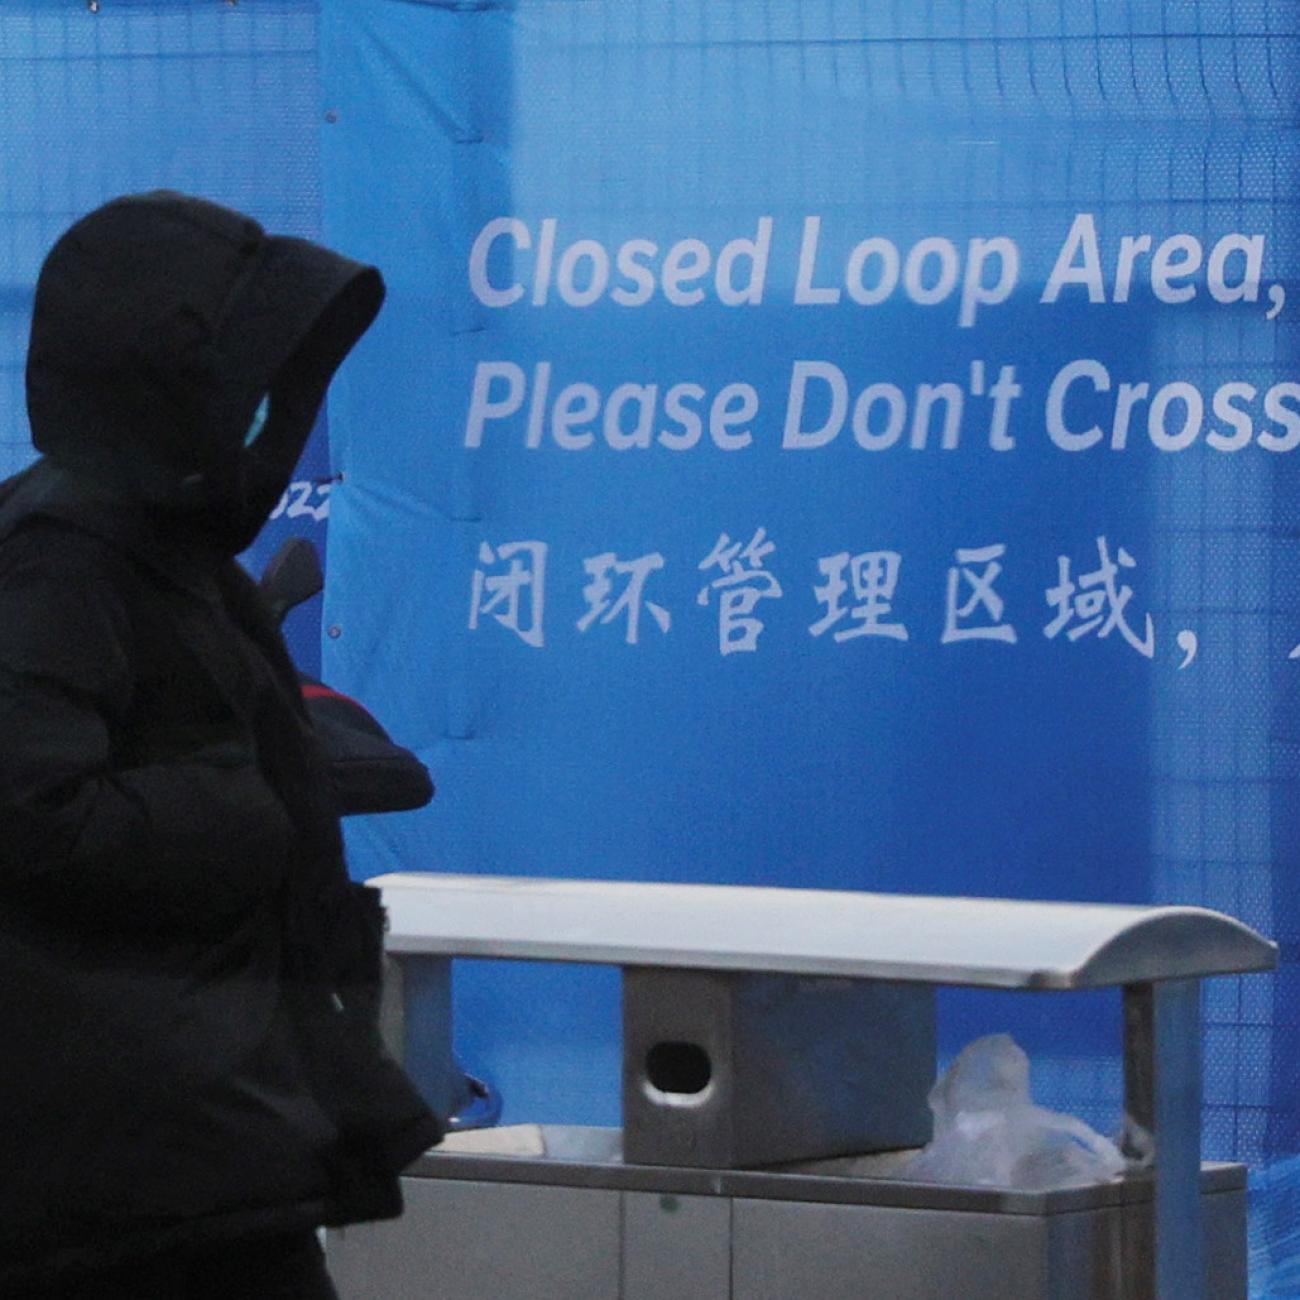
x=188, y=980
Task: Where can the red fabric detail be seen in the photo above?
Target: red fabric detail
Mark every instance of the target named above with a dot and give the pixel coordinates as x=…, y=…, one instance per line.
x=315, y=691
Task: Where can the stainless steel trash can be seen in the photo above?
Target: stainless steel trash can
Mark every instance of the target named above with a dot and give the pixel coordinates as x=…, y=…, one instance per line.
x=717, y=976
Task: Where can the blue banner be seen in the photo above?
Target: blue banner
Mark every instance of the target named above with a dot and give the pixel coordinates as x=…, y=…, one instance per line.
x=831, y=445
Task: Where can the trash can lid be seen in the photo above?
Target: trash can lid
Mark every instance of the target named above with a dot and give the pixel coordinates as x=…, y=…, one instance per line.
x=993, y=943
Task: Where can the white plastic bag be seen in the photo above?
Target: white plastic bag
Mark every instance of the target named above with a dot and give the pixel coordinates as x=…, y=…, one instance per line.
x=989, y=1133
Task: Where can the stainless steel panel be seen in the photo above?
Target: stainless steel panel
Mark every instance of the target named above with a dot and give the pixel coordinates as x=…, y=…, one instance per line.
x=676, y=1247
x=723, y=1069
x=1085, y=1255
x=785, y=1251
x=1224, y=1252
x=1227, y=1266
x=484, y=1241
x=474, y=1239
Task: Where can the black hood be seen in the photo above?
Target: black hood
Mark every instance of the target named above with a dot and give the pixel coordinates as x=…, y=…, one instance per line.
x=161, y=323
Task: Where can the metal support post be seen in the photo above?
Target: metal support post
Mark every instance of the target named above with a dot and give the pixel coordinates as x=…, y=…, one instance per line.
x=415, y=1018
x=1162, y=1088
x=392, y=1009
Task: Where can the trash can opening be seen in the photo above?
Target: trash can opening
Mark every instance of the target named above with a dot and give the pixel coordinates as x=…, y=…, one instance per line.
x=678, y=1068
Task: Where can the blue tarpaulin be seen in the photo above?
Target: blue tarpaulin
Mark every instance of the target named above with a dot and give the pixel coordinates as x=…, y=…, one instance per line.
x=831, y=444
x=819, y=443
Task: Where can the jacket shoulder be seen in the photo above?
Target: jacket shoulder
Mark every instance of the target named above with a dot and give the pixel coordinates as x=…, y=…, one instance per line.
x=66, y=607
x=41, y=547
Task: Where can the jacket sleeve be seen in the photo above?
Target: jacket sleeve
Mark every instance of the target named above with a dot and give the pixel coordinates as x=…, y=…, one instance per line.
x=195, y=841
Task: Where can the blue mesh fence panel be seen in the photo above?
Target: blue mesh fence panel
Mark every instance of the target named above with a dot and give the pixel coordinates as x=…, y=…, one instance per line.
x=966, y=116
x=659, y=119
x=203, y=96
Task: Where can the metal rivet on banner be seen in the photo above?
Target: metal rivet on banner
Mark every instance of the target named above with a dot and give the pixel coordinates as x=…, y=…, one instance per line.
x=332, y=115
x=334, y=631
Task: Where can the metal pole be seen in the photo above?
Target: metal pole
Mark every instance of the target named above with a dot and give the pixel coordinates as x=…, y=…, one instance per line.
x=1162, y=1087
x=392, y=1008
x=416, y=1022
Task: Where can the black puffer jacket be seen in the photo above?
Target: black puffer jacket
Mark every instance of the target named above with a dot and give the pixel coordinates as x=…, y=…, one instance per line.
x=187, y=977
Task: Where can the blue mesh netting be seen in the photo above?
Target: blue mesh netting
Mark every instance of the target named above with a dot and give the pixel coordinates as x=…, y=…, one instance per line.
x=657, y=118
x=1150, y=113
x=212, y=98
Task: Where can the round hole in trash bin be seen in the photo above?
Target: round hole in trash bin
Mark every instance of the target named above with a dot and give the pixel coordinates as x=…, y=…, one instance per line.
x=682, y=1068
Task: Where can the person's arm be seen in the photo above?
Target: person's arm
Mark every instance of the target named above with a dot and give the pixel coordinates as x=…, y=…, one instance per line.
x=195, y=841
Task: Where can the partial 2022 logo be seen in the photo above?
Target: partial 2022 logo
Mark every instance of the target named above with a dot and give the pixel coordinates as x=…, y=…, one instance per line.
x=305, y=498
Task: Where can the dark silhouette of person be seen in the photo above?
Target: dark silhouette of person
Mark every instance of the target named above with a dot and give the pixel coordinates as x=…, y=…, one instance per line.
x=192, y=1079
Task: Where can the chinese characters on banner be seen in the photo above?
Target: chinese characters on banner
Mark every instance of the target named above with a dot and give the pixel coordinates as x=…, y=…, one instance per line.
x=856, y=595
x=514, y=595
x=742, y=584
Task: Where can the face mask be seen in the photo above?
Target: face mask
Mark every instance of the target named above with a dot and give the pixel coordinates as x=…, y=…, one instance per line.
x=259, y=421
